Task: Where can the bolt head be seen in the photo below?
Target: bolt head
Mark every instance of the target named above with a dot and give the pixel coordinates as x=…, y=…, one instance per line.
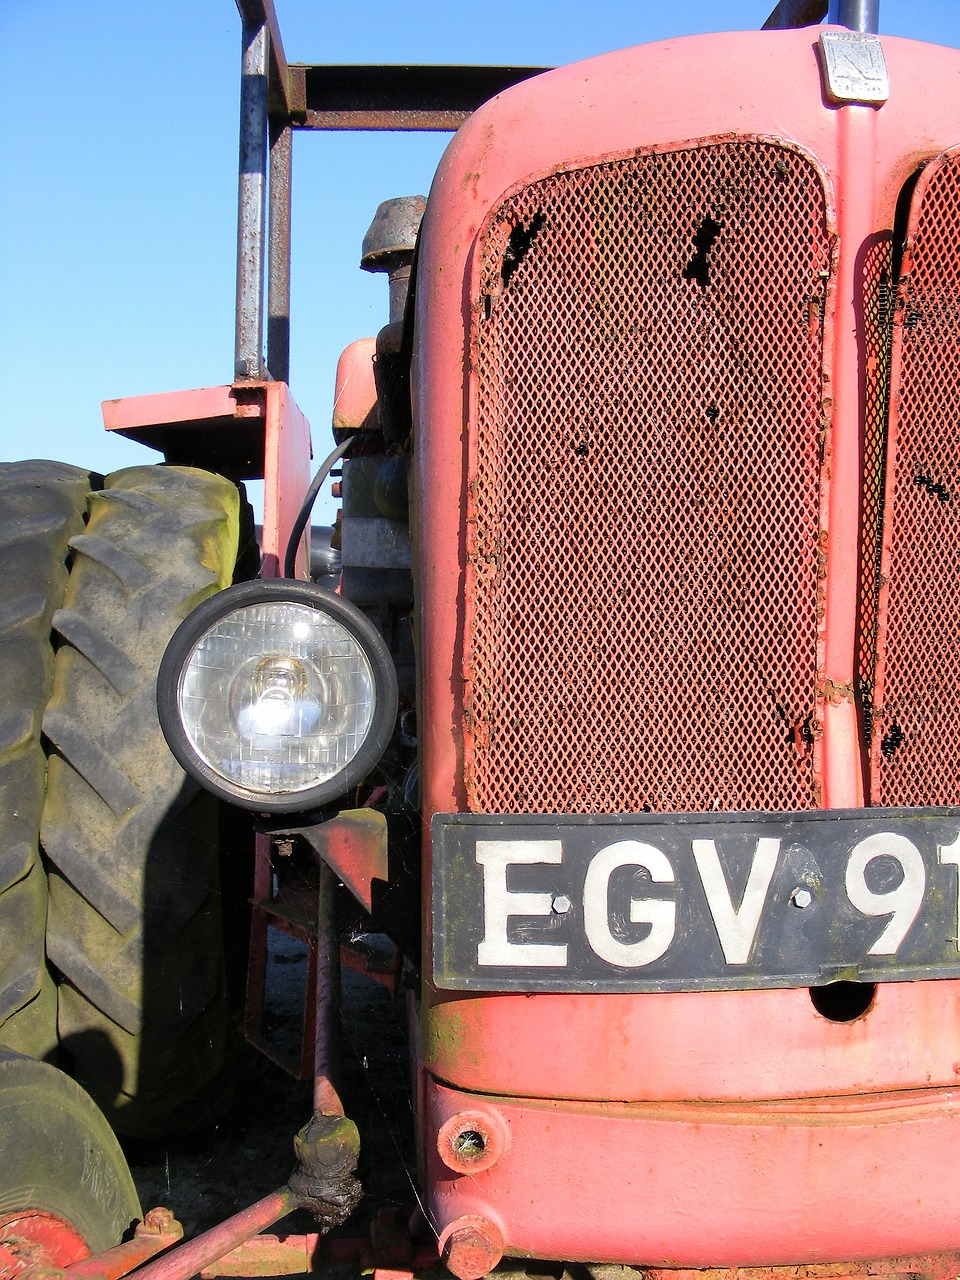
x=471, y=1247
x=801, y=898
x=160, y=1222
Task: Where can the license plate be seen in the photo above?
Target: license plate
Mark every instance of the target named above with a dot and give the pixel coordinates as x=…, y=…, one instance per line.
x=694, y=902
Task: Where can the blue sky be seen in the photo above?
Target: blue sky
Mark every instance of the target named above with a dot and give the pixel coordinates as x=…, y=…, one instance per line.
x=118, y=148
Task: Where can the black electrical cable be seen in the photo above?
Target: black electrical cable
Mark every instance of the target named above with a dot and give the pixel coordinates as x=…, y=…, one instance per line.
x=303, y=515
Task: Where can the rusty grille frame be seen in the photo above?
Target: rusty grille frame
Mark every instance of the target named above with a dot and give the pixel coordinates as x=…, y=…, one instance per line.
x=538, y=738
x=915, y=718
x=877, y=298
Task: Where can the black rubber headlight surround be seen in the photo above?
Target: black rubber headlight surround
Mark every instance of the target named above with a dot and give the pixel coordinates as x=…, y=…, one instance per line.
x=277, y=696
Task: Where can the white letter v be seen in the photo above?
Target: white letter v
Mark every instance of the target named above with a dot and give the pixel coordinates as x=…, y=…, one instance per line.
x=736, y=928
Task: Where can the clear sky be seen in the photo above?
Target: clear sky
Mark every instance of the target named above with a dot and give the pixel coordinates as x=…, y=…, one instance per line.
x=118, y=154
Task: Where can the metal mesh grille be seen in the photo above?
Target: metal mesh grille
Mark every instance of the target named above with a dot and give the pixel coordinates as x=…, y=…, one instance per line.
x=645, y=486
x=917, y=728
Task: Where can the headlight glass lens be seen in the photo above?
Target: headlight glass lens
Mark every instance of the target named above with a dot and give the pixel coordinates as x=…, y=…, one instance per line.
x=277, y=697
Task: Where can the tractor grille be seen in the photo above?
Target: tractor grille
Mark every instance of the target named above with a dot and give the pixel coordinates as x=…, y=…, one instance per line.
x=917, y=726
x=645, y=486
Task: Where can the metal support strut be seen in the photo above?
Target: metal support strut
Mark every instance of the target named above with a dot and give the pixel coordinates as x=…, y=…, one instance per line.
x=857, y=15
x=278, y=257
x=251, y=213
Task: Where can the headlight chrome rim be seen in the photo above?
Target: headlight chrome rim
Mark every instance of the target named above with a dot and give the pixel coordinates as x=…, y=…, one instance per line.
x=190, y=635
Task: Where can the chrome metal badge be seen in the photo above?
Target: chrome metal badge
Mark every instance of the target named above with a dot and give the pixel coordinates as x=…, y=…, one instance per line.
x=854, y=68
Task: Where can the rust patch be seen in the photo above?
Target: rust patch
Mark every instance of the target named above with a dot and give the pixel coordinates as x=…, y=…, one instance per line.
x=835, y=693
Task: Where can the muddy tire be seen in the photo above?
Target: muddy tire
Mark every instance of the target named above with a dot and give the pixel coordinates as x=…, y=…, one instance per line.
x=134, y=926
x=43, y=505
x=62, y=1170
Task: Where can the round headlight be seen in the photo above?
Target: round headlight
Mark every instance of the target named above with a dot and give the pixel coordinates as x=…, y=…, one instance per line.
x=277, y=696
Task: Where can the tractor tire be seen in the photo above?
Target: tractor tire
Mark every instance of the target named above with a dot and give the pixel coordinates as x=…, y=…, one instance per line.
x=43, y=505
x=133, y=923
x=65, y=1188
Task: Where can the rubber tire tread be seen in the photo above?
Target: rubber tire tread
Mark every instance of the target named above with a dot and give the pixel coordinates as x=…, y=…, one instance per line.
x=134, y=924
x=43, y=505
x=60, y=1155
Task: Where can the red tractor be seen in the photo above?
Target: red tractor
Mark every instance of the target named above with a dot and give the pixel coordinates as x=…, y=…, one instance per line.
x=629, y=719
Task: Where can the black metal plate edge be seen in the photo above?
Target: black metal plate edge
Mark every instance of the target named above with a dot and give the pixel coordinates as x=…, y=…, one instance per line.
x=743, y=982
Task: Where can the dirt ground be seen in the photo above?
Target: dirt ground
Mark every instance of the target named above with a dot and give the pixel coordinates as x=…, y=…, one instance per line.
x=205, y=1179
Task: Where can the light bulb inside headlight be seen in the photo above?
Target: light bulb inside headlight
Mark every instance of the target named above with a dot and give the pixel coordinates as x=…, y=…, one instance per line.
x=275, y=702
x=278, y=695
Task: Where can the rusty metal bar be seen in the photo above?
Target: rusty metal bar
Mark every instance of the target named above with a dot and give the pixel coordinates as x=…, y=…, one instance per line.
x=261, y=13
x=158, y=1231
x=186, y=1260
x=251, y=211
x=257, y=955
x=269, y=1255
x=326, y=1062
x=385, y=121
x=300, y=1067
x=405, y=98
x=297, y=919
x=278, y=255
x=796, y=13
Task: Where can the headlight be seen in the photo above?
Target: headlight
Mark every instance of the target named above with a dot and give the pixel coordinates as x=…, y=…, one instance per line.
x=277, y=696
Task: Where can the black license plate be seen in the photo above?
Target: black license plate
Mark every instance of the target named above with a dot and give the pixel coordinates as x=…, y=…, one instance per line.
x=694, y=902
